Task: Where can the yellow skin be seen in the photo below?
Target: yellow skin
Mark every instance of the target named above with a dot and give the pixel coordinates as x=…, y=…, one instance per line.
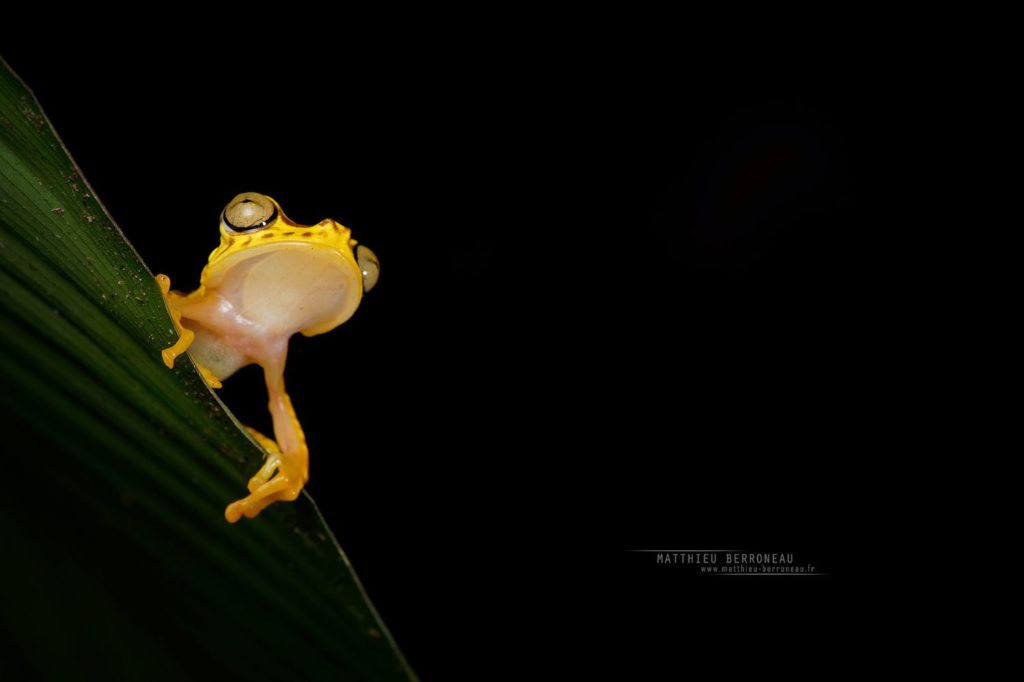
x=269, y=278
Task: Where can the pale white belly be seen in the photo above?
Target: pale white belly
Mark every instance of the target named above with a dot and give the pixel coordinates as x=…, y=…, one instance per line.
x=254, y=304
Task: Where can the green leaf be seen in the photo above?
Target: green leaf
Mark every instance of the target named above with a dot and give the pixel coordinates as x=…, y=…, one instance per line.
x=117, y=559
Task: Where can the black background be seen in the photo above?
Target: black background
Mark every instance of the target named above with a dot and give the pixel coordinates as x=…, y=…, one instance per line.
x=620, y=307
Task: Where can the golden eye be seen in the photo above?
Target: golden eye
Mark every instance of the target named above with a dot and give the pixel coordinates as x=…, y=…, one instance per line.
x=370, y=266
x=248, y=212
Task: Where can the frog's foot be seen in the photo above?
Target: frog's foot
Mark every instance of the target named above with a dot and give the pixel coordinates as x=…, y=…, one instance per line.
x=271, y=464
x=264, y=487
x=285, y=486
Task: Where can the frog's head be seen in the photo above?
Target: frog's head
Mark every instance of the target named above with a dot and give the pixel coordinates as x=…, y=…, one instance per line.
x=262, y=248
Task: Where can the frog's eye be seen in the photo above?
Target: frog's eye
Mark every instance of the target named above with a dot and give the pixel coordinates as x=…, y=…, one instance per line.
x=370, y=266
x=249, y=211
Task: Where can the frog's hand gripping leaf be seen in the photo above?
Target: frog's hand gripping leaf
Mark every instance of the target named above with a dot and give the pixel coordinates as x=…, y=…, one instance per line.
x=185, y=336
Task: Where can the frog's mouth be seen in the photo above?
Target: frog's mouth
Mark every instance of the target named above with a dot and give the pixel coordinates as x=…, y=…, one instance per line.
x=289, y=287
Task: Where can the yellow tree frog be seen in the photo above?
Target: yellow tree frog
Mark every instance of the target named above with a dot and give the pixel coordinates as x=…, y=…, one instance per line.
x=269, y=278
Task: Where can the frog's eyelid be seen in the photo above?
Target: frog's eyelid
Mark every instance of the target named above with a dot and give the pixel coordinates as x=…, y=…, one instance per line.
x=258, y=226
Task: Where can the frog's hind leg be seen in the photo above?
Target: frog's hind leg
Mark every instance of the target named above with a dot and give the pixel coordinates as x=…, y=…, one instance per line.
x=292, y=456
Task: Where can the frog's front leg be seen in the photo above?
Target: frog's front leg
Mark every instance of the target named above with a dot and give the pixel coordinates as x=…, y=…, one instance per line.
x=185, y=335
x=288, y=455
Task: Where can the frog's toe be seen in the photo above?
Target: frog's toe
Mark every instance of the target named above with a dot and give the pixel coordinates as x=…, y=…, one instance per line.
x=234, y=511
x=257, y=481
x=248, y=507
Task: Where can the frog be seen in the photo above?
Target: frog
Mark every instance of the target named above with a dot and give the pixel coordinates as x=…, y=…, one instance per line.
x=269, y=279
